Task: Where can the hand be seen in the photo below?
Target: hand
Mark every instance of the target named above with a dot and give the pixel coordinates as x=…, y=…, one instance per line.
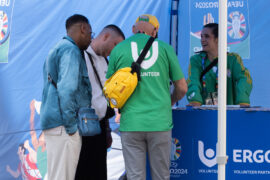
x=8, y=168
x=117, y=117
x=194, y=104
x=71, y=134
x=243, y=105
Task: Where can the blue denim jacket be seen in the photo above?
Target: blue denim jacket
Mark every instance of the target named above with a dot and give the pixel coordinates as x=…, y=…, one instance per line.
x=67, y=68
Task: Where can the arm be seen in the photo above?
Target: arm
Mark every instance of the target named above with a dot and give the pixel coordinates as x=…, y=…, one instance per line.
x=176, y=75
x=32, y=130
x=180, y=89
x=15, y=174
x=67, y=86
x=194, y=85
x=242, y=80
x=117, y=116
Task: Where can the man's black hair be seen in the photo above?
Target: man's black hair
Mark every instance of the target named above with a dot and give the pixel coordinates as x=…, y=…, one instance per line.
x=115, y=29
x=76, y=18
x=214, y=27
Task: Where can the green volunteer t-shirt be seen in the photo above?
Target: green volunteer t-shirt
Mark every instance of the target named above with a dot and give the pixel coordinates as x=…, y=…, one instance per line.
x=149, y=107
x=239, y=81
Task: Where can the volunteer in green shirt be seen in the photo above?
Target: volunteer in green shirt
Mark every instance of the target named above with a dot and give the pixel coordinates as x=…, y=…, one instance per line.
x=146, y=118
x=202, y=88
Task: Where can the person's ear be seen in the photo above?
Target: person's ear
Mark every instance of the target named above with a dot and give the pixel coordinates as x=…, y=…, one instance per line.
x=106, y=36
x=134, y=29
x=216, y=41
x=84, y=28
x=154, y=33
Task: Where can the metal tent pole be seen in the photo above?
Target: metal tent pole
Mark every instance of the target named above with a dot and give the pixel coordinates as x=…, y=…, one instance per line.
x=222, y=89
x=174, y=25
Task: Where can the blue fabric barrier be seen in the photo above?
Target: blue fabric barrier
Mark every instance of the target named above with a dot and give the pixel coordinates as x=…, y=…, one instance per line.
x=195, y=138
x=28, y=30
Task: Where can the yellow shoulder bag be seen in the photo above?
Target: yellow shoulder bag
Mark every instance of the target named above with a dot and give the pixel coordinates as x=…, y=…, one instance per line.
x=122, y=83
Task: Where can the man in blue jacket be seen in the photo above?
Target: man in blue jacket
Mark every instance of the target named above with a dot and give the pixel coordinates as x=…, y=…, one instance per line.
x=66, y=89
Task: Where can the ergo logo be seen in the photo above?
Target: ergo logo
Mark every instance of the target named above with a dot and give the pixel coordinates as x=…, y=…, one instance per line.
x=239, y=155
x=247, y=156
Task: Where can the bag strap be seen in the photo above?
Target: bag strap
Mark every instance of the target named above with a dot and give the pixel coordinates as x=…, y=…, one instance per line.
x=213, y=63
x=110, y=111
x=94, y=68
x=145, y=50
x=52, y=81
x=106, y=60
x=136, y=66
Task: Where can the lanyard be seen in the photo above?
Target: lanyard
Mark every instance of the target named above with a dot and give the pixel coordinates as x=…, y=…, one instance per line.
x=203, y=77
x=94, y=68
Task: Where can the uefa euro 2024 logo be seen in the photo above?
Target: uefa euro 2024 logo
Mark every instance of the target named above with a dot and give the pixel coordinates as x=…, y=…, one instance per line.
x=237, y=26
x=3, y=26
x=175, y=149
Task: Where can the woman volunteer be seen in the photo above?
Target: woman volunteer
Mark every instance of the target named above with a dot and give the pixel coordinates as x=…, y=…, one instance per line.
x=203, y=74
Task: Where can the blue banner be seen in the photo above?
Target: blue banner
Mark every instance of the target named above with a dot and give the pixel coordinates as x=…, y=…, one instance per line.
x=203, y=12
x=194, y=144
